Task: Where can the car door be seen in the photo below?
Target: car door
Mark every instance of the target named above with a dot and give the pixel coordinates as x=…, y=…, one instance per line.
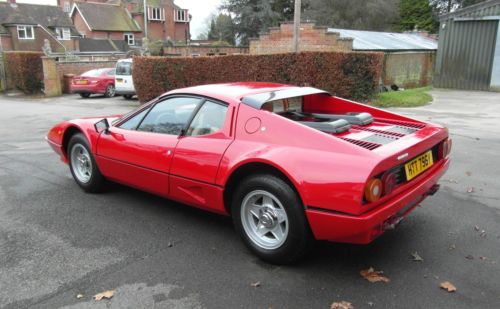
x=198, y=154
x=138, y=152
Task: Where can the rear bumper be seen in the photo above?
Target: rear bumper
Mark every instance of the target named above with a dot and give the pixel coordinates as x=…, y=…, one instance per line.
x=87, y=89
x=124, y=92
x=363, y=229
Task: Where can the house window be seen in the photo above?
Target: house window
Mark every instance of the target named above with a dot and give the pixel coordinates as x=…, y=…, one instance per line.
x=181, y=15
x=129, y=38
x=25, y=32
x=63, y=34
x=156, y=13
x=67, y=7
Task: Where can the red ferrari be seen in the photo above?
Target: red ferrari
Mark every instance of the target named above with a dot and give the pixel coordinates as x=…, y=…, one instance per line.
x=95, y=81
x=289, y=164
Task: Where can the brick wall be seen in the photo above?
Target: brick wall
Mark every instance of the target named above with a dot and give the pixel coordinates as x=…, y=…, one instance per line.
x=78, y=68
x=53, y=72
x=312, y=38
x=203, y=51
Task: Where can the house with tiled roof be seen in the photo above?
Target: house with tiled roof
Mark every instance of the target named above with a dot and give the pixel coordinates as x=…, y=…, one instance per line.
x=27, y=26
x=124, y=20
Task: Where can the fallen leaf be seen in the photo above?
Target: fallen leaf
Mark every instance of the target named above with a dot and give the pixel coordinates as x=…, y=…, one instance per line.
x=476, y=228
x=469, y=257
x=452, y=247
x=468, y=173
x=446, y=285
x=483, y=233
x=255, y=284
x=471, y=190
x=106, y=294
x=170, y=245
x=370, y=304
x=342, y=305
x=416, y=257
x=78, y=296
x=451, y=180
x=373, y=275
x=482, y=258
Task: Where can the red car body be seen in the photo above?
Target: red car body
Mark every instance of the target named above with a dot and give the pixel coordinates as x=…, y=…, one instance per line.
x=329, y=171
x=95, y=81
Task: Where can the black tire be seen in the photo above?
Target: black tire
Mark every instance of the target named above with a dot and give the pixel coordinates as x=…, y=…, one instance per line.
x=127, y=96
x=299, y=237
x=110, y=91
x=95, y=182
x=85, y=95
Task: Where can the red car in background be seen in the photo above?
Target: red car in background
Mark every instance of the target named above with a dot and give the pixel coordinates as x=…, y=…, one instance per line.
x=101, y=81
x=289, y=164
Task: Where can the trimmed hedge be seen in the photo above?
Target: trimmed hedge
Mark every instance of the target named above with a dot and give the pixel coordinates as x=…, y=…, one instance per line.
x=24, y=71
x=350, y=75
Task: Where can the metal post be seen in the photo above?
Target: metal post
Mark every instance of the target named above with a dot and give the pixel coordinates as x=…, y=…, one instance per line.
x=145, y=18
x=296, y=26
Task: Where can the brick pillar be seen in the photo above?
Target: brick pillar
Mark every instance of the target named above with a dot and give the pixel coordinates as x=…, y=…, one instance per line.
x=51, y=80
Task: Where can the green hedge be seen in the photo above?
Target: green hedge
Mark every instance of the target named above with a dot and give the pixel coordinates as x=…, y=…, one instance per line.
x=24, y=71
x=350, y=75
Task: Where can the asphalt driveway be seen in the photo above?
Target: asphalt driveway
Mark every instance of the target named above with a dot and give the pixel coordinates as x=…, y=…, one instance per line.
x=60, y=246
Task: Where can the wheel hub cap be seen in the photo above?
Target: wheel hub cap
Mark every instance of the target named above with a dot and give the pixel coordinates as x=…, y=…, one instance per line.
x=268, y=218
x=264, y=219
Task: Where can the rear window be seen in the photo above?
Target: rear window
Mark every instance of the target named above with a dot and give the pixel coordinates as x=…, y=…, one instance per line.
x=284, y=105
x=94, y=73
x=124, y=68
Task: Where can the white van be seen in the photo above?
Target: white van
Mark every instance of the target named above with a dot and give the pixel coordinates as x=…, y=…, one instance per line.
x=124, y=85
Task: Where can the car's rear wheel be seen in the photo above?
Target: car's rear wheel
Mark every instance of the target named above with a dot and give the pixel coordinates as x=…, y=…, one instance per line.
x=270, y=218
x=110, y=91
x=83, y=166
x=127, y=96
x=85, y=95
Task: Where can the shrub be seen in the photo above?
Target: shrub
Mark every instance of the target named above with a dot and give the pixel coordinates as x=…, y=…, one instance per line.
x=350, y=75
x=24, y=71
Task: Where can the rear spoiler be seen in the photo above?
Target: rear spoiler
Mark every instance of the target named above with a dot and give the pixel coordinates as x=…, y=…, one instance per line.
x=259, y=99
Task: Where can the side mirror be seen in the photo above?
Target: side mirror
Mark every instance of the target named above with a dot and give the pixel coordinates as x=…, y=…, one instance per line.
x=102, y=126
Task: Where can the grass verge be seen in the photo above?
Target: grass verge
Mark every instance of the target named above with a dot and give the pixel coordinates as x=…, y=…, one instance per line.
x=405, y=98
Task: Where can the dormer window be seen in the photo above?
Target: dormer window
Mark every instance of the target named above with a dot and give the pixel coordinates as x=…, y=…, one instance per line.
x=155, y=13
x=63, y=34
x=67, y=7
x=181, y=15
x=25, y=32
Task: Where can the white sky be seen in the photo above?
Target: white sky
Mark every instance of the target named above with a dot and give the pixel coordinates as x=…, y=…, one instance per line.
x=199, y=9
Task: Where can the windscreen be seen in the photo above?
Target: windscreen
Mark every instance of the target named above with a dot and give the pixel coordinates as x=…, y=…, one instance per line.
x=94, y=73
x=124, y=68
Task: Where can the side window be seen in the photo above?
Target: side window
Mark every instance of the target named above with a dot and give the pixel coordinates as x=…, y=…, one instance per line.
x=209, y=119
x=169, y=116
x=133, y=122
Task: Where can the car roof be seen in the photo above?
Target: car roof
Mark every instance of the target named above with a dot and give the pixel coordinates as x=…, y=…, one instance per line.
x=232, y=92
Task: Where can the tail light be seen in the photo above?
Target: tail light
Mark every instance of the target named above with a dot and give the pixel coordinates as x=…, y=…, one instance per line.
x=373, y=190
x=445, y=148
x=389, y=181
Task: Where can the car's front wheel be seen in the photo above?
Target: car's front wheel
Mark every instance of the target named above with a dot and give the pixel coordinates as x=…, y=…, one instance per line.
x=270, y=218
x=83, y=166
x=110, y=91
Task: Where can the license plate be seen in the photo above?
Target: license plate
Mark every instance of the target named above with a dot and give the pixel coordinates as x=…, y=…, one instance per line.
x=418, y=165
x=119, y=80
x=81, y=82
